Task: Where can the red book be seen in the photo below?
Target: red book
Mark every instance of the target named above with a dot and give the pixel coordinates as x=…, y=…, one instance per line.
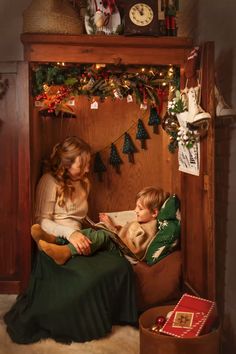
x=191, y=317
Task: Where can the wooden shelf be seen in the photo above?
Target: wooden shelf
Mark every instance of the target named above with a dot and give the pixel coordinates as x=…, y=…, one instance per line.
x=105, y=49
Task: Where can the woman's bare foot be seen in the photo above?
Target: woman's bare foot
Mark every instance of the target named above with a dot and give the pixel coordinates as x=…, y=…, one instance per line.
x=60, y=254
x=39, y=234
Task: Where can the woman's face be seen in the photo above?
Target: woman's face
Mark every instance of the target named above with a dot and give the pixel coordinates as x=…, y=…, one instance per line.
x=80, y=166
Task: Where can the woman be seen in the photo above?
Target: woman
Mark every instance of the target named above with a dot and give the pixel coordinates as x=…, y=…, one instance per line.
x=62, y=193
x=81, y=300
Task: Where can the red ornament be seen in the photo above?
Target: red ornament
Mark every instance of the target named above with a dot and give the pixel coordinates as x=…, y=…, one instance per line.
x=160, y=321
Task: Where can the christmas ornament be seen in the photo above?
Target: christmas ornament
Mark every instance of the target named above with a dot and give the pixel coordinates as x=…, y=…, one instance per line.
x=154, y=119
x=142, y=134
x=99, y=166
x=160, y=321
x=170, y=123
x=129, y=148
x=168, y=315
x=115, y=159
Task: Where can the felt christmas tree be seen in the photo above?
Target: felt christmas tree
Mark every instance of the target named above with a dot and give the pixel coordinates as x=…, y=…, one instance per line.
x=129, y=148
x=142, y=134
x=99, y=166
x=115, y=159
x=154, y=119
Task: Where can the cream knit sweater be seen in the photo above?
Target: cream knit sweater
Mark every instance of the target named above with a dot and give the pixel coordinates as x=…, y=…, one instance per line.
x=56, y=220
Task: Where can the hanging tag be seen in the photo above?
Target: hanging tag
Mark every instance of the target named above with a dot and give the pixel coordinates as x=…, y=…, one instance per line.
x=117, y=94
x=71, y=102
x=143, y=106
x=38, y=103
x=94, y=105
x=129, y=98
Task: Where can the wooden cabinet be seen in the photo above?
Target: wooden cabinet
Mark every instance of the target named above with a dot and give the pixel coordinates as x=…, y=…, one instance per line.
x=156, y=166
x=15, y=243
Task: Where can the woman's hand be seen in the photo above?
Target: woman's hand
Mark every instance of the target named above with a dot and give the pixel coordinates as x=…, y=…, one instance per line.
x=81, y=243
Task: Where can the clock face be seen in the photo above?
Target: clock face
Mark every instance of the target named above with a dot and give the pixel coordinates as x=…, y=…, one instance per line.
x=141, y=14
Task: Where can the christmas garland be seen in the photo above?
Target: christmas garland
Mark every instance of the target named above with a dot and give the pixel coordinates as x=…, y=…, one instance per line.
x=138, y=131
x=55, y=86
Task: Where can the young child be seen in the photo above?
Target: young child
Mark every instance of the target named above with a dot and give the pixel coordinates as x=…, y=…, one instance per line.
x=135, y=235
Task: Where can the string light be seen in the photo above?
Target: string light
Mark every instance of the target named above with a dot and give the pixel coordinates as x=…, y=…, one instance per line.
x=99, y=66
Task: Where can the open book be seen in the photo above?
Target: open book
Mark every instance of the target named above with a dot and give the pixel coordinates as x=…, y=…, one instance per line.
x=120, y=218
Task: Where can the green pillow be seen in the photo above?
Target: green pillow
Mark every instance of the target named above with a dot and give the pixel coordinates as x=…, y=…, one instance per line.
x=168, y=232
x=169, y=209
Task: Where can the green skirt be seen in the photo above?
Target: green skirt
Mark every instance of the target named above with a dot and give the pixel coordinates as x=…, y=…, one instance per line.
x=78, y=301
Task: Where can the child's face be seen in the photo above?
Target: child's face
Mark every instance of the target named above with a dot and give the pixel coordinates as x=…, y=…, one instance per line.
x=143, y=213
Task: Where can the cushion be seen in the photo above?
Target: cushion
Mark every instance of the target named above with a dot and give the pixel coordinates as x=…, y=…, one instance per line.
x=159, y=283
x=170, y=209
x=168, y=232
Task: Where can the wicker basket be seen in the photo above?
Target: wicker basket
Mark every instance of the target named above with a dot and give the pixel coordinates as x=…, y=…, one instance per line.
x=51, y=16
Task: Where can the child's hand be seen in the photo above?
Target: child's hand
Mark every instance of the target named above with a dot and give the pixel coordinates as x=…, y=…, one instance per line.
x=103, y=217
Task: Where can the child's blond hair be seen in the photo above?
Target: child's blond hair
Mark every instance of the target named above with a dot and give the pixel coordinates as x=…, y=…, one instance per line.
x=152, y=198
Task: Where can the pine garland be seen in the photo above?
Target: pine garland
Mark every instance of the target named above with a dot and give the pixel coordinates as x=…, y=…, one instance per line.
x=101, y=81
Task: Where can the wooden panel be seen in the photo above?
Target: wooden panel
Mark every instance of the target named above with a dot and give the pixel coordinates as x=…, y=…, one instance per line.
x=105, y=49
x=14, y=181
x=24, y=212
x=8, y=183
x=198, y=201
x=153, y=166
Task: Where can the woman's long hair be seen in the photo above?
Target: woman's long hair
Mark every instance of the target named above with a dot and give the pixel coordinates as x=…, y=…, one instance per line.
x=62, y=157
